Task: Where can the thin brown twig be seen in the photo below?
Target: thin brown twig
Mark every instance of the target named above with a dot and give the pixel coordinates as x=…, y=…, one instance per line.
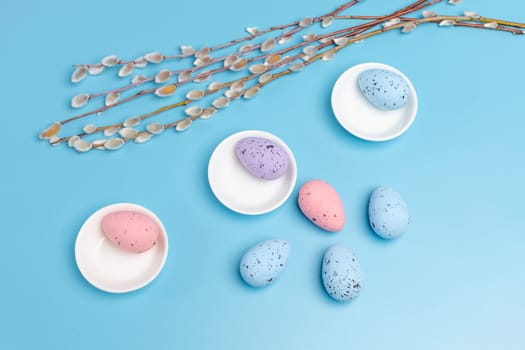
x=499, y=27
x=242, y=39
x=358, y=29
x=370, y=34
x=502, y=22
x=219, y=59
x=353, y=36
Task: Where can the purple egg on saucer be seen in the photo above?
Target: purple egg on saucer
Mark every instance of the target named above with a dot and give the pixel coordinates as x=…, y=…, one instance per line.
x=262, y=158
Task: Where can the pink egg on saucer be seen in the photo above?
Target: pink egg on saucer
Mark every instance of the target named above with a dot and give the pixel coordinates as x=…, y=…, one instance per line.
x=130, y=230
x=321, y=204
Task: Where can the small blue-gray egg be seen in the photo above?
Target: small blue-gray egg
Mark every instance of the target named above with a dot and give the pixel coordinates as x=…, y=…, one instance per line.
x=264, y=263
x=388, y=213
x=385, y=89
x=341, y=273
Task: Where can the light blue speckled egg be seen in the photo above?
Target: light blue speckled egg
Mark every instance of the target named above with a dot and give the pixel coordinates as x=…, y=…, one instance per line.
x=341, y=273
x=263, y=263
x=385, y=89
x=388, y=213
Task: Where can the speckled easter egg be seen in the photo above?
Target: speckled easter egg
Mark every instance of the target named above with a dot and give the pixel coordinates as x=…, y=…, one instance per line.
x=385, y=89
x=262, y=158
x=341, y=273
x=388, y=213
x=321, y=204
x=264, y=263
x=130, y=230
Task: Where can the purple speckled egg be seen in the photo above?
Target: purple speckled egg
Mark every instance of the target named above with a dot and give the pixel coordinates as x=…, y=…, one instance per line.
x=262, y=158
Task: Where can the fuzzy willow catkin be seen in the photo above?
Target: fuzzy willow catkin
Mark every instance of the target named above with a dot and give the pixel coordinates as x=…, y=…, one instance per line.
x=257, y=59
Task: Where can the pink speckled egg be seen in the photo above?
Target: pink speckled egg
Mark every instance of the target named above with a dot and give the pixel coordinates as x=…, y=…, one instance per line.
x=130, y=230
x=321, y=204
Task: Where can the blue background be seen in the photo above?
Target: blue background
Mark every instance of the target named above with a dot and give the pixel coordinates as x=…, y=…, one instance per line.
x=456, y=280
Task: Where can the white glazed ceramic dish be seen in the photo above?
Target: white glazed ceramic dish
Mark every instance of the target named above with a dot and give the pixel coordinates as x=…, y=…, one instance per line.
x=359, y=117
x=240, y=191
x=111, y=268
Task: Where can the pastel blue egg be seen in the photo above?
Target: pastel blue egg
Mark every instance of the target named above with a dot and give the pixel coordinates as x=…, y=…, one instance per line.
x=341, y=273
x=385, y=89
x=388, y=213
x=264, y=263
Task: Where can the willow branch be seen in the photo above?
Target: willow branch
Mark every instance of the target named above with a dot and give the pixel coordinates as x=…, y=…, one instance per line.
x=323, y=47
x=222, y=46
x=242, y=39
x=418, y=5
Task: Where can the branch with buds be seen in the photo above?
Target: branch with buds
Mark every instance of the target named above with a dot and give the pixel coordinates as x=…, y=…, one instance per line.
x=260, y=58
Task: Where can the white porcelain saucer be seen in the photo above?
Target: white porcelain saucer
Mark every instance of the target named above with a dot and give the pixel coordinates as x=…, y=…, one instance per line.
x=359, y=117
x=111, y=268
x=240, y=191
